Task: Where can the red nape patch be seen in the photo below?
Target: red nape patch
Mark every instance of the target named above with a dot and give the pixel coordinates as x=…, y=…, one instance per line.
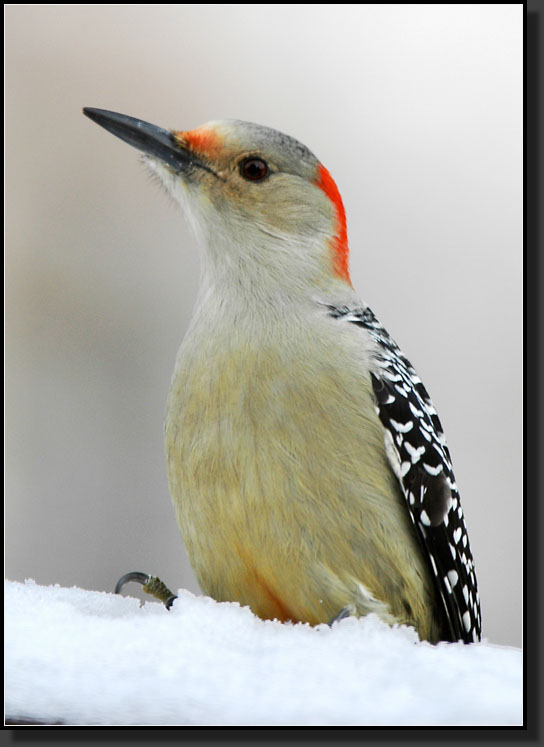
x=339, y=242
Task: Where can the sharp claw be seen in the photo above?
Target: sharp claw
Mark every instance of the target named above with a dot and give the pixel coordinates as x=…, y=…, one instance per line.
x=141, y=578
x=340, y=616
x=150, y=584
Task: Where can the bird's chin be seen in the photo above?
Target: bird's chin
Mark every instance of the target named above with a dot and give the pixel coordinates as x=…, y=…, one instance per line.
x=164, y=175
x=179, y=189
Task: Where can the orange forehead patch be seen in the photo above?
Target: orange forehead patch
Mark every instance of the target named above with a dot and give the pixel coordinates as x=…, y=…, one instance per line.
x=201, y=140
x=339, y=242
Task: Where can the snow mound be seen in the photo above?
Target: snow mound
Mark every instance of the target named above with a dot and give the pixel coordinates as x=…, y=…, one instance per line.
x=92, y=658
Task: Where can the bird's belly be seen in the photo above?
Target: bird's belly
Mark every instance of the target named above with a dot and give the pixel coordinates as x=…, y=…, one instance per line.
x=283, y=493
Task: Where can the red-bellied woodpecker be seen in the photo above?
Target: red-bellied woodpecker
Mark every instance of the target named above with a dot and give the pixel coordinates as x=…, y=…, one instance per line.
x=307, y=465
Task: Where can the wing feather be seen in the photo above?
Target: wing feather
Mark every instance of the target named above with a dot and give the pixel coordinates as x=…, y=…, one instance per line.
x=420, y=458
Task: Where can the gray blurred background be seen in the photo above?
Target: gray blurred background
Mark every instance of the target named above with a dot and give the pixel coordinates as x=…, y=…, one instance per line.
x=417, y=112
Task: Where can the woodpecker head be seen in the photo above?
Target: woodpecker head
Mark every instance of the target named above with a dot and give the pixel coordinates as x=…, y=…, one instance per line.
x=262, y=204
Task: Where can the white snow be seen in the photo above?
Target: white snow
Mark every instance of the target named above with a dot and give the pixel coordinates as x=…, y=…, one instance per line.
x=90, y=658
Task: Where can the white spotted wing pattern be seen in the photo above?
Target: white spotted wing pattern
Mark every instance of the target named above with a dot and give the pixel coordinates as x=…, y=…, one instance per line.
x=420, y=458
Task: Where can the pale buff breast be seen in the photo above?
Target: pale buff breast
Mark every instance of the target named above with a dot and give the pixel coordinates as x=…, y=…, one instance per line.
x=281, y=485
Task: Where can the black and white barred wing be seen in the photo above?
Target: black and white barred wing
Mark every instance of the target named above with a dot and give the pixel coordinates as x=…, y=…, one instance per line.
x=420, y=458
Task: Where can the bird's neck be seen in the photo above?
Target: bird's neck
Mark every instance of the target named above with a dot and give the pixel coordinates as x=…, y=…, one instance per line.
x=249, y=305
x=270, y=274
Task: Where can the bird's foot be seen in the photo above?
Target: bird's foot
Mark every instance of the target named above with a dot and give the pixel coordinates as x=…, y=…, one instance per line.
x=345, y=612
x=150, y=584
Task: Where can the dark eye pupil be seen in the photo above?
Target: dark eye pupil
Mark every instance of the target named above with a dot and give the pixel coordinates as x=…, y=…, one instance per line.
x=254, y=169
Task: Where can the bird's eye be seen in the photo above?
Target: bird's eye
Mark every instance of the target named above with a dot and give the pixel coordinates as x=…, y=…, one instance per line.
x=254, y=169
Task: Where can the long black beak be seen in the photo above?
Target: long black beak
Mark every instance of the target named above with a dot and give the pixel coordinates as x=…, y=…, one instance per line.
x=153, y=140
